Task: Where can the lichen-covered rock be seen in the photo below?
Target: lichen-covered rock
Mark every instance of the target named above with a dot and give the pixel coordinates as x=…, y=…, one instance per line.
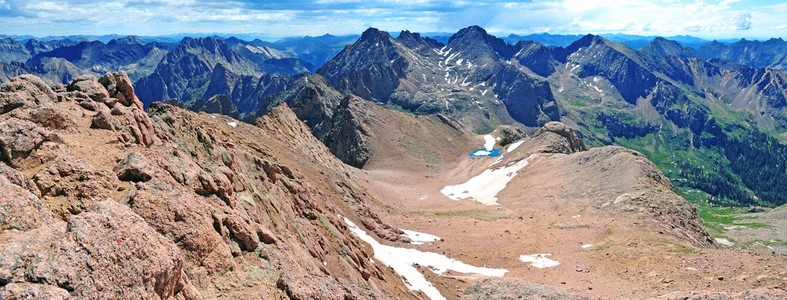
x=180, y=216
x=136, y=167
x=89, y=85
x=49, y=117
x=119, y=86
x=79, y=183
x=33, y=291
x=20, y=209
x=27, y=89
x=12, y=174
x=128, y=258
x=18, y=138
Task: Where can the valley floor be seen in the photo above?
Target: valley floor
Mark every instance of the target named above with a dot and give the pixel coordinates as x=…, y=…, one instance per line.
x=600, y=254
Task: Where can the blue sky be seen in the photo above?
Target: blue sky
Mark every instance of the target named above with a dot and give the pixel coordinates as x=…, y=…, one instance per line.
x=708, y=19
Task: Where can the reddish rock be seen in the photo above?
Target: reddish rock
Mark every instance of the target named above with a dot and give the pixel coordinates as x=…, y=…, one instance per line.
x=27, y=290
x=12, y=174
x=558, y=138
x=49, y=117
x=103, y=119
x=30, y=89
x=129, y=259
x=119, y=86
x=89, y=85
x=136, y=167
x=18, y=138
x=77, y=181
x=242, y=231
x=20, y=209
x=303, y=286
x=182, y=217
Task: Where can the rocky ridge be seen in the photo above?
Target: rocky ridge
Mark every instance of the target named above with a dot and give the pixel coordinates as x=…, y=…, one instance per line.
x=467, y=79
x=173, y=204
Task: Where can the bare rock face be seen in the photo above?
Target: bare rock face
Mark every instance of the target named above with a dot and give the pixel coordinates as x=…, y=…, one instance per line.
x=18, y=138
x=118, y=109
x=129, y=257
x=119, y=86
x=182, y=217
x=49, y=117
x=89, y=85
x=136, y=167
x=33, y=291
x=212, y=204
x=70, y=185
x=306, y=287
x=20, y=209
x=124, y=242
x=559, y=138
x=24, y=90
x=12, y=174
x=348, y=137
x=132, y=119
x=509, y=134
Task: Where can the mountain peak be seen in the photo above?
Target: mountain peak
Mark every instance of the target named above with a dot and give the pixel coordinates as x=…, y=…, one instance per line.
x=474, y=39
x=473, y=32
x=128, y=40
x=414, y=40
x=590, y=39
x=374, y=34
x=665, y=47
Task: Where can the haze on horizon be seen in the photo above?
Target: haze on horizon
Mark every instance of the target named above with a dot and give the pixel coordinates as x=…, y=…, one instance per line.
x=712, y=19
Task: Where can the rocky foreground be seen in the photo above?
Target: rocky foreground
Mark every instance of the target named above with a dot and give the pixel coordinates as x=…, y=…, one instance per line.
x=100, y=199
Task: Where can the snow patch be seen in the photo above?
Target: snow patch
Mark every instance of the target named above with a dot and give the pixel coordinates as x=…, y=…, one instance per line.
x=418, y=238
x=402, y=260
x=212, y=117
x=485, y=187
x=539, y=260
x=232, y=124
x=513, y=146
x=423, y=197
x=489, y=142
x=585, y=246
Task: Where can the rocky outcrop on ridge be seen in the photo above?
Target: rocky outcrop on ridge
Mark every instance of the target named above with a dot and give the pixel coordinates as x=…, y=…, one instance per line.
x=173, y=204
x=618, y=181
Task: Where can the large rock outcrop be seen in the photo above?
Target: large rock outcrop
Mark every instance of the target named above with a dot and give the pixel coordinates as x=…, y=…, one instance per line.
x=115, y=203
x=612, y=179
x=128, y=258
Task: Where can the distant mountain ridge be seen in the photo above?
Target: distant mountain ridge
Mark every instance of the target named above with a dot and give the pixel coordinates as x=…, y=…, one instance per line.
x=666, y=97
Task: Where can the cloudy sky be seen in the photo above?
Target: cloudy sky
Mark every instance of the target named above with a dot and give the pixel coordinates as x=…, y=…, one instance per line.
x=708, y=19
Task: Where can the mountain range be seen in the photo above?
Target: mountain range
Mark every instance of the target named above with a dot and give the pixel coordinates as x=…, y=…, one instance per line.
x=399, y=166
x=665, y=97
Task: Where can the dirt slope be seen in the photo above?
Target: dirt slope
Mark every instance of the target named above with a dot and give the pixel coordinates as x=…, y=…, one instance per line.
x=607, y=215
